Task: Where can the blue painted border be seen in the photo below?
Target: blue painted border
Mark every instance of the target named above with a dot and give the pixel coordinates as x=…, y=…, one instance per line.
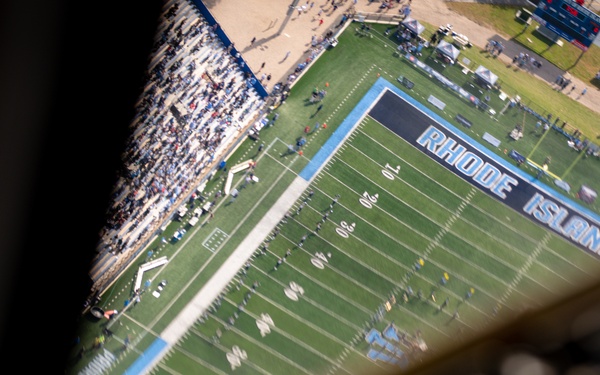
x=352, y=120
x=339, y=135
x=147, y=357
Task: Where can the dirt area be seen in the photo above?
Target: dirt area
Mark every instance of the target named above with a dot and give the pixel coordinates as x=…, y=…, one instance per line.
x=279, y=28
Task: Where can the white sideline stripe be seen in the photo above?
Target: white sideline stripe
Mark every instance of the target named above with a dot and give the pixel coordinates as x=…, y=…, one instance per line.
x=201, y=302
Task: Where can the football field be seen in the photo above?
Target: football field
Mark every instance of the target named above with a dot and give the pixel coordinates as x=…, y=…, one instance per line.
x=363, y=238
x=387, y=257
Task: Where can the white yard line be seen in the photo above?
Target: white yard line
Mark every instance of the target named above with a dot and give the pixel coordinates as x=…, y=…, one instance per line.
x=201, y=302
x=309, y=301
x=293, y=338
x=443, y=226
x=225, y=350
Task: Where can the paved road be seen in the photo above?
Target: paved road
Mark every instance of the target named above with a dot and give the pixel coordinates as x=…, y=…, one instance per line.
x=548, y=72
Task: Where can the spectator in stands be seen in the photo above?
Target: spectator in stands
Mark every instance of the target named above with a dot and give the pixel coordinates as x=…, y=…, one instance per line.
x=172, y=147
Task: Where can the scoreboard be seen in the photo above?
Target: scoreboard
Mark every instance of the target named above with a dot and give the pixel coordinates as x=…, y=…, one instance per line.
x=570, y=20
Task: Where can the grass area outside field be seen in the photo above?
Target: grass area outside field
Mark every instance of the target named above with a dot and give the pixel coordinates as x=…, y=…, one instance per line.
x=535, y=93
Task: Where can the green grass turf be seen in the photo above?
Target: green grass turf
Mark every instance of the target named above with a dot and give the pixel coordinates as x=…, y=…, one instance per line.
x=510, y=261
x=363, y=260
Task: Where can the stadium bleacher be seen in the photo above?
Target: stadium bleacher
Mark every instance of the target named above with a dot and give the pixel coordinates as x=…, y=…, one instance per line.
x=196, y=104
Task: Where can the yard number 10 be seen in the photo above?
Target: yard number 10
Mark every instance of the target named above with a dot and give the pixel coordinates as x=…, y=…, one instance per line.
x=387, y=172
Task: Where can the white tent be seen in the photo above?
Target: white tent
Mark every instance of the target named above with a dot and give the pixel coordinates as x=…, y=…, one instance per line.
x=486, y=75
x=448, y=50
x=413, y=25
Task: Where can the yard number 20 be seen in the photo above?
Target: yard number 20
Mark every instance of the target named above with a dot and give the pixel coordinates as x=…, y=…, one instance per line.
x=367, y=199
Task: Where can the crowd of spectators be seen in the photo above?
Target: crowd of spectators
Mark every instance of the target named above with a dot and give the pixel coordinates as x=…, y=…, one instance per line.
x=409, y=41
x=524, y=61
x=196, y=103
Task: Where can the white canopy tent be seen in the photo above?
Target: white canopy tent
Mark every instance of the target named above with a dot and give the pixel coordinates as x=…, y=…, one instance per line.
x=486, y=75
x=448, y=50
x=413, y=25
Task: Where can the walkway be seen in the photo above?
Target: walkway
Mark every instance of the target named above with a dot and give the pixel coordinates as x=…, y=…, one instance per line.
x=278, y=29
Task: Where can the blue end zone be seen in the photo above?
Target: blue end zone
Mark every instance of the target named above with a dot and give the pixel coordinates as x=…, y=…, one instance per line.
x=146, y=358
x=340, y=134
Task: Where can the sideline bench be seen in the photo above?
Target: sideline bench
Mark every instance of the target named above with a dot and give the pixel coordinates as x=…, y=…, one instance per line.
x=524, y=16
x=462, y=120
x=235, y=169
x=436, y=102
x=491, y=139
x=148, y=266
